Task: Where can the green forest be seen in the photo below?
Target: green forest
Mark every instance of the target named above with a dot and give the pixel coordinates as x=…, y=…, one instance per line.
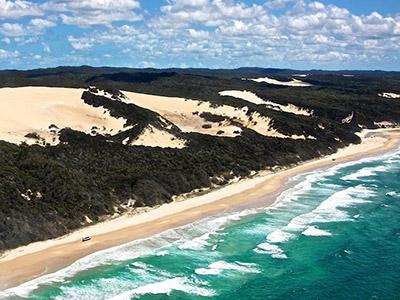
x=96, y=175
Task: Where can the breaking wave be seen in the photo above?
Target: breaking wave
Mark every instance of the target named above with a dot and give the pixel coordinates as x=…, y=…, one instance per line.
x=182, y=284
x=273, y=250
x=315, y=231
x=218, y=267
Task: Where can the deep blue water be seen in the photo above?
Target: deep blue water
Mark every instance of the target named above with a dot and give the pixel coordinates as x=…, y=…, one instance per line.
x=334, y=235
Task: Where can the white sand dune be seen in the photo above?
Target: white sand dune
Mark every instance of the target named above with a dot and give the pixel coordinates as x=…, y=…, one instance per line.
x=300, y=75
x=35, y=109
x=386, y=124
x=251, y=97
x=154, y=137
x=245, y=95
x=41, y=112
x=389, y=95
x=348, y=119
x=292, y=83
x=185, y=114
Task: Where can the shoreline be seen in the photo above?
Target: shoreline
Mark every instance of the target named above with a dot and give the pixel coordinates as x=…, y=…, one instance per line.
x=37, y=259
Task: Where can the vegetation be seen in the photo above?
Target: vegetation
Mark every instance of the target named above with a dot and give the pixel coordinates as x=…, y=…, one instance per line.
x=47, y=191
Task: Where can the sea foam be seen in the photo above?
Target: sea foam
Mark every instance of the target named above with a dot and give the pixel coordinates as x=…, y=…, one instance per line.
x=365, y=172
x=314, y=231
x=182, y=284
x=279, y=236
x=212, y=227
x=331, y=210
x=273, y=250
x=218, y=267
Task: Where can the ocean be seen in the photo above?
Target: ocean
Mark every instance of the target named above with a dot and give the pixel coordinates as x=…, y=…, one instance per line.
x=334, y=234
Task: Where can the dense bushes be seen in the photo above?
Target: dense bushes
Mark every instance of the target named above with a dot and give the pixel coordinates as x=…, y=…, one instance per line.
x=48, y=191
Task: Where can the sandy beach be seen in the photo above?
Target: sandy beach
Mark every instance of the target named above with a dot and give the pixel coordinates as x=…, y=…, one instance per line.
x=29, y=262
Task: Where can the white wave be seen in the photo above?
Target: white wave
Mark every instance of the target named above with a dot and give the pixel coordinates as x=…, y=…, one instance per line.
x=292, y=194
x=218, y=267
x=279, y=236
x=306, y=180
x=392, y=194
x=365, y=172
x=162, y=253
x=303, y=186
x=119, y=253
x=141, y=265
x=197, y=243
x=273, y=250
x=132, y=250
x=167, y=286
x=148, y=271
x=213, y=227
x=146, y=246
x=314, y=231
x=330, y=209
x=100, y=289
x=207, y=271
x=386, y=157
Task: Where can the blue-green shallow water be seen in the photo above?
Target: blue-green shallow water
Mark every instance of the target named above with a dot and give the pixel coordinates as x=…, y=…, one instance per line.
x=334, y=235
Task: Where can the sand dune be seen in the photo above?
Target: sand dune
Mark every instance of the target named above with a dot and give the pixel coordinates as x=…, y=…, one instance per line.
x=300, y=75
x=41, y=112
x=35, y=115
x=245, y=95
x=292, y=83
x=348, y=119
x=386, y=124
x=251, y=97
x=186, y=114
x=154, y=137
x=389, y=95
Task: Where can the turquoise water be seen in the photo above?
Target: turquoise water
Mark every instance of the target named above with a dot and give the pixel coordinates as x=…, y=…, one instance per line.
x=334, y=235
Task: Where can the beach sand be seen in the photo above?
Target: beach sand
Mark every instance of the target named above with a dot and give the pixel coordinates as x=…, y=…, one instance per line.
x=34, y=260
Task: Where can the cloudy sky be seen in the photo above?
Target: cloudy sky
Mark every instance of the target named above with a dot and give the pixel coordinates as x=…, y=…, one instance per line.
x=304, y=34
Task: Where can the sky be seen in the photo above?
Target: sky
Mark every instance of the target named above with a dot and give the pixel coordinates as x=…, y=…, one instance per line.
x=297, y=34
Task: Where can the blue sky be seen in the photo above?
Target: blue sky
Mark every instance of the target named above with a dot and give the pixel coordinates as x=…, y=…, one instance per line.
x=302, y=34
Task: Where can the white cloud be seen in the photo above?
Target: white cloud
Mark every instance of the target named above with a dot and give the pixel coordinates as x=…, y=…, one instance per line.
x=207, y=12
x=224, y=32
x=25, y=40
x=75, y=5
x=85, y=13
x=12, y=29
x=4, y=54
x=6, y=40
x=41, y=24
x=80, y=44
x=46, y=48
x=198, y=34
x=35, y=27
x=17, y=9
x=277, y=4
